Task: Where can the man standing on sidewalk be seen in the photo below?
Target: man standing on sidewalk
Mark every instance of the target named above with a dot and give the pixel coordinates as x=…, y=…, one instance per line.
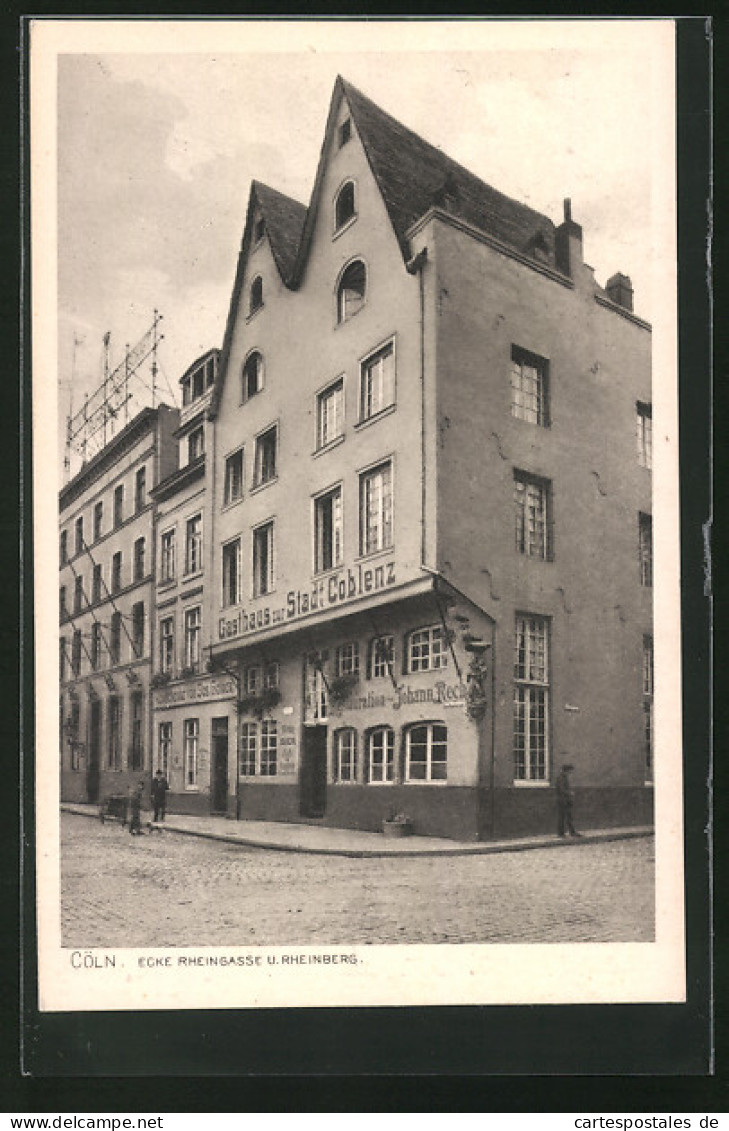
x=565, y=801
x=160, y=785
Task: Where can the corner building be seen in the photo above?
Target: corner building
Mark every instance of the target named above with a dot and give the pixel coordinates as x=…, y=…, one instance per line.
x=432, y=499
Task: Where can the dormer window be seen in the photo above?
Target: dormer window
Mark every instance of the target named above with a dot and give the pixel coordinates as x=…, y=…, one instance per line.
x=344, y=209
x=259, y=230
x=252, y=377
x=345, y=132
x=351, y=290
x=256, y=296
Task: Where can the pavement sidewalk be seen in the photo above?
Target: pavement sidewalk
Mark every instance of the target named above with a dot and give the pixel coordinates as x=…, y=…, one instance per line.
x=321, y=841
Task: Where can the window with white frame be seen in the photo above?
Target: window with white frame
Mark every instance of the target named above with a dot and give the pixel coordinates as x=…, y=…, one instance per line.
x=644, y=434
x=193, y=623
x=330, y=414
x=382, y=657
x=351, y=290
x=532, y=506
x=375, y=502
x=648, y=706
x=168, y=555
x=381, y=756
x=426, y=752
x=531, y=699
x=195, y=443
x=427, y=649
x=266, y=461
x=191, y=731
x=248, y=750
x=328, y=530
x=344, y=768
x=529, y=387
x=347, y=659
x=233, y=482
x=252, y=376
x=231, y=573
x=316, y=707
x=645, y=548
x=377, y=382
x=164, y=747
x=252, y=679
x=269, y=748
x=263, y=562
x=271, y=675
x=344, y=208
x=167, y=645
x=193, y=544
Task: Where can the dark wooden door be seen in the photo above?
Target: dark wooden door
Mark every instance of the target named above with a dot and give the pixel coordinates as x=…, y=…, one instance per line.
x=92, y=765
x=313, y=775
x=219, y=799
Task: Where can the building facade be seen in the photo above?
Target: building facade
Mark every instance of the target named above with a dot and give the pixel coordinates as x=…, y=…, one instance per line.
x=106, y=601
x=433, y=574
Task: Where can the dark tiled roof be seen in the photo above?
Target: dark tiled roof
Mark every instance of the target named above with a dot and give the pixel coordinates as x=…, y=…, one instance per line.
x=413, y=176
x=284, y=219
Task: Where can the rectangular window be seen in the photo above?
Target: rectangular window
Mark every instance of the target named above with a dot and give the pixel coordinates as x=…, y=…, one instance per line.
x=231, y=573
x=316, y=706
x=529, y=387
x=381, y=756
x=193, y=544
x=377, y=382
x=136, y=761
x=328, y=530
x=427, y=649
x=64, y=547
x=114, y=754
x=266, y=462
x=382, y=656
x=645, y=548
x=345, y=755
x=75, y=723
x=269, y=748
x=192, y=734
x=115, y=638
x=63, y=656
x=426, y=752
x=271, y=676
x=532, y=502
x=252, y=680
x=375, y=503
x=168, y=563
x=167, y=645
x=79, y=535
x=648, y=706
x=140, y=488
x=76, y=652
x=96, y=583
x=531, y=699
x=330, y=414
x=138, y=629
x=164, y=748
x=193, y=622
x=644, y=430
x=248, y=749
x=98, y=520
x=139, y=559
x=95, y=645
x=116, y=572
x=195, y=444
x=263, y=566
x=347, y=659
x=233, y=486
x=119, y=505
x=62, y=606
x=78, y=595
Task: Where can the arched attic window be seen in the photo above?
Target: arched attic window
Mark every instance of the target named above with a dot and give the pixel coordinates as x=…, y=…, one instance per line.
x=252, y=375
x=344, y=208
x=351, y=290
x=256, y=295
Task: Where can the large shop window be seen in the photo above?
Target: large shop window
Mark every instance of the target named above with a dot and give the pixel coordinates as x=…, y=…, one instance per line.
x=648, y=706
x=427, y=649
x=263, y=561
x=375, y=503
x=328, y=530
x=344, y=768
x=531, y=699
x=248, y=749
x=164, y=748
x=381, y=755
x=258, y=749
x=193, y=622
x=426, y=752
x=269, y=748
x=351, y=290
x=529, y=387
x=377, y=382
x=191, y=729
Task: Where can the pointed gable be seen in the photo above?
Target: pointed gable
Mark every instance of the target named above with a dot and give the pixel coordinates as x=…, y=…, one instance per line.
x=284, y=219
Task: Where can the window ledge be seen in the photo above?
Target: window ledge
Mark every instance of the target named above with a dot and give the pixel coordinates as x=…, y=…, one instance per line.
x=328, y=447
x=192, y=576
x=524, y=783
x=375, y=416
x=344, y=227
x=233, y=503
x=252, y=313
x=375, y=554
x=260, y=486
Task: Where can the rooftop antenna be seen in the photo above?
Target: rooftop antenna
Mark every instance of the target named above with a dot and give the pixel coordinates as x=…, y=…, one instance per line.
x=155, y=344
x=107, y=341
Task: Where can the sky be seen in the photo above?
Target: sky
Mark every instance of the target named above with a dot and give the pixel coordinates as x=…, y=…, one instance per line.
x=159, y=136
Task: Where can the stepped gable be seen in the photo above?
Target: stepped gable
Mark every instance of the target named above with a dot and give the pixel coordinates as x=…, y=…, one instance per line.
x=284, y=218
x=414, y=175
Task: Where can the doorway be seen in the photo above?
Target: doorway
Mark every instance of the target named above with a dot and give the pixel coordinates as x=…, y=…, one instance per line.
x=219, y=784
x=92, y=766
x=313, y=777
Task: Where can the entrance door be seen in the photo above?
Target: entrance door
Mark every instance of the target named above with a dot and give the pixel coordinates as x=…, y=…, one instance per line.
x=92, y=766
x=313, y=779
x=219, y=798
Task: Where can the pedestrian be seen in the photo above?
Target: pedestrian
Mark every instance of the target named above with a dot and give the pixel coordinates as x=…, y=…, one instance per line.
x=135, y=825
x=160, y=785
x=565, y=802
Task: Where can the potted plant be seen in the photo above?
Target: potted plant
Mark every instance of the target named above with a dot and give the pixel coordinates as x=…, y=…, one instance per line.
x=341, y=688
x=397, y=825
x=270, y=698
x=160, y=679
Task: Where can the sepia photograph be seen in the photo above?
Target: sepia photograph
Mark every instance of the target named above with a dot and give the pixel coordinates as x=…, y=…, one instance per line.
x=357, y=560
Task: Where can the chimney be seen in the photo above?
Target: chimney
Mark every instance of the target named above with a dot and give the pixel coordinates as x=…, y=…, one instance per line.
x=620, y=291
x=568, y=243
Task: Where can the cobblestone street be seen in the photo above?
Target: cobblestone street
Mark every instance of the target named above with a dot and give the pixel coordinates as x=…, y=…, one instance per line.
x=172, y=890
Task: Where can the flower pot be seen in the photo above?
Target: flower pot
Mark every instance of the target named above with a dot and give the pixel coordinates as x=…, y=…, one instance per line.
x=397, y=828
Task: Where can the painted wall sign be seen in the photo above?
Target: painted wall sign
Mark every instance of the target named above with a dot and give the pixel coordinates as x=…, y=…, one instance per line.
x=445, y=694
x=337, y=589
x=217, y=687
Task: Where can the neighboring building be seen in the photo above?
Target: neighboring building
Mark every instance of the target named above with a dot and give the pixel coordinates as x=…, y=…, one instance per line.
x=194, y=715
x=106, y=603
x=431, y=538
